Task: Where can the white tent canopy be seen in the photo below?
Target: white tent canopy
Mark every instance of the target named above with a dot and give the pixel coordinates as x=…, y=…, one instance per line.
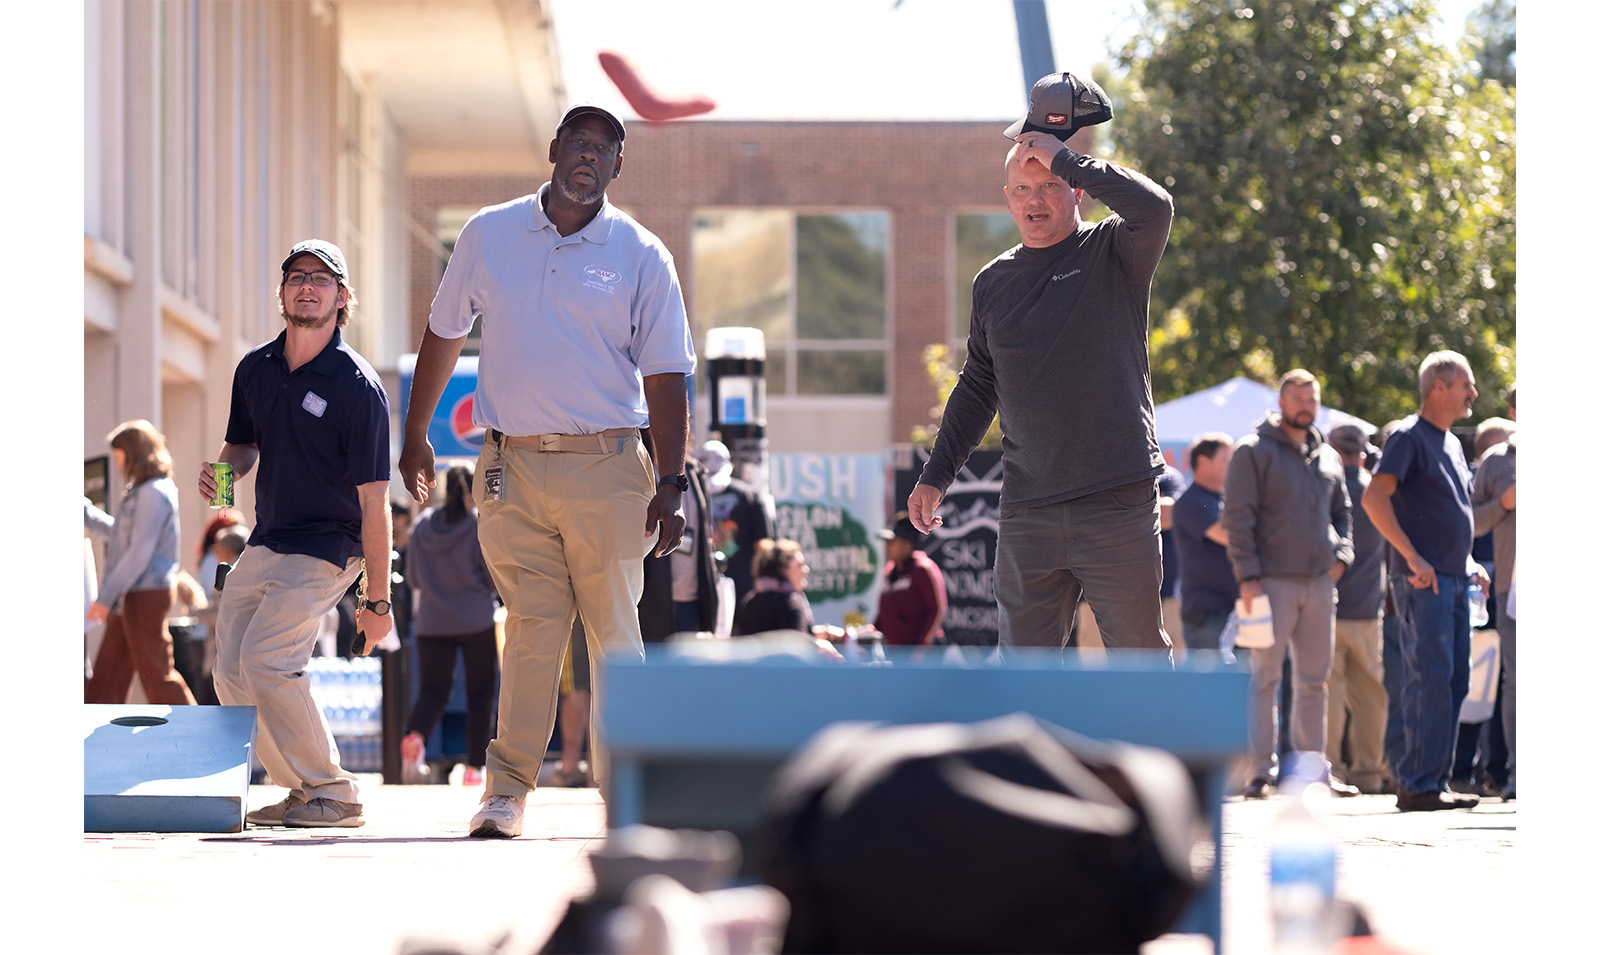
x=1234, y=408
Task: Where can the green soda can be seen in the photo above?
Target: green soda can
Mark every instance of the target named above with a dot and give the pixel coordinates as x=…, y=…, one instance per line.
x=224, y=475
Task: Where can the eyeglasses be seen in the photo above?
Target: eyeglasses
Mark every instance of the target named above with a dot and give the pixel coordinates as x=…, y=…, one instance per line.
x=581, y=144
x=319, y=279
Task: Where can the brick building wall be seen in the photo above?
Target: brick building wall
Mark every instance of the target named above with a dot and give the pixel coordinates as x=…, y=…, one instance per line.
x=426, y=196
x=923, y=174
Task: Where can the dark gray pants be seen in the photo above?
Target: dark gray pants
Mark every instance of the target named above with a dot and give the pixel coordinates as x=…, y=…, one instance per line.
x=1106, y=547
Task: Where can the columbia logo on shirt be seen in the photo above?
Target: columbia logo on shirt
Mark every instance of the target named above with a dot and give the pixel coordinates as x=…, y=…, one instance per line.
x=1065, y=275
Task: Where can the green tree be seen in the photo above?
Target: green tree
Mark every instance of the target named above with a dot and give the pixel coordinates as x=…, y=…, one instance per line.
x=942, y=371
x=1345, y=196
x=1494, y=27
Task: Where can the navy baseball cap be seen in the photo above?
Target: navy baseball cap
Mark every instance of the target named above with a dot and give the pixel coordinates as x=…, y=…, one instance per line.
x=590, y=109
x=1061, y=104
x=326, y=251
x=903, y=529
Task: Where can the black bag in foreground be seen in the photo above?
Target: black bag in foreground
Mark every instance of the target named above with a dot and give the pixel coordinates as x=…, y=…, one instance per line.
x=1008, y=835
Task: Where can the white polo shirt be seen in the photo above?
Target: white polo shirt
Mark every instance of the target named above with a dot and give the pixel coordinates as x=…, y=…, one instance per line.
x=571, y=324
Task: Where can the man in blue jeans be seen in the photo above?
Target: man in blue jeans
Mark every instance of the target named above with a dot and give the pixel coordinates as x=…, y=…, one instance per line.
x=1419, y=500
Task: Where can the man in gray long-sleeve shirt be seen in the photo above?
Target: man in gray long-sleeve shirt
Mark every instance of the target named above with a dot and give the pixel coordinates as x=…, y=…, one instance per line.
x=1059, y=347
x=1494, y=510
x=1288, y=524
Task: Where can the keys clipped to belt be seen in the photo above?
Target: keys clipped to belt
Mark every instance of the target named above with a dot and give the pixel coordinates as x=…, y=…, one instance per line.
x=359, y=645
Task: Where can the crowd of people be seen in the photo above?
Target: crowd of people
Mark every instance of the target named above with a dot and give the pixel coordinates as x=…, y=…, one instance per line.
x=1367, y=548
x=590, y=524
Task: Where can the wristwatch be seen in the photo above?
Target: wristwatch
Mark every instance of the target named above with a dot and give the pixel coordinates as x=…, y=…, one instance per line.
x=379, y=607
x=679, y=481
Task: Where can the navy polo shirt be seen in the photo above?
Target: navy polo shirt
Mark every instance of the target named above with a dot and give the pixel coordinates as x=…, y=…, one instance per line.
x=1208, y=582
x=322, y=430
x=1431, y=502
x=1170, y=484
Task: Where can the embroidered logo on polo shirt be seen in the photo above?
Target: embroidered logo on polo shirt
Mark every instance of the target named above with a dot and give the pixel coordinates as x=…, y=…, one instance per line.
x=315, y=403
x=603, y=279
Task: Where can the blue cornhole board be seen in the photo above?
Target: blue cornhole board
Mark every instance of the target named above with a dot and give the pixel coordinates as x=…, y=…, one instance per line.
x=153, y=768
x=697, y=729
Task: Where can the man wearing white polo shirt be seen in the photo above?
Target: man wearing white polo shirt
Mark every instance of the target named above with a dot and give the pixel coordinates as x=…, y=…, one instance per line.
x=585, y=342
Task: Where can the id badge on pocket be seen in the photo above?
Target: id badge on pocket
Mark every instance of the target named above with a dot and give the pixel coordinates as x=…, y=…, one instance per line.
x=494, y=483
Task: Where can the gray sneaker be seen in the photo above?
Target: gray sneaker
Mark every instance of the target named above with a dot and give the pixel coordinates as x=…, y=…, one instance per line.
x=500, y=818
x=273, y=815
x=323, y=813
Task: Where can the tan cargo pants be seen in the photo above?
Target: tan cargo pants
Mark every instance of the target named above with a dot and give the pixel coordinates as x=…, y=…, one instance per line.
x=563, y=533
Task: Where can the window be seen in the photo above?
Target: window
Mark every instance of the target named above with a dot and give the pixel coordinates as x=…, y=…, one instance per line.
x=980, y=236
x=815, y=284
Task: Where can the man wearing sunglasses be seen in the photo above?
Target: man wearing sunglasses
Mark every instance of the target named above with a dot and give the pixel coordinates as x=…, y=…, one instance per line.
x=585, y=341
x=311, y=419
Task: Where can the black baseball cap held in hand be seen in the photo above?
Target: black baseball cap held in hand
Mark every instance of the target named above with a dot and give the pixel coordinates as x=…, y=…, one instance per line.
x=1061, y=104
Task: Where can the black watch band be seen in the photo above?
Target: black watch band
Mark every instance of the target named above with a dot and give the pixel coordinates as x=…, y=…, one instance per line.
x=679, y=481
x=379, y=607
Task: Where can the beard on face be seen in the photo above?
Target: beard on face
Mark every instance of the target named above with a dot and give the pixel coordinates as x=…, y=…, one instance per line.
x=1301, y=419
x=578, y=196
x=310, y=322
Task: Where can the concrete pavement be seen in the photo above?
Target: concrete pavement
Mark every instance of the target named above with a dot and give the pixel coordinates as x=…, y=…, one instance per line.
x=411, y=874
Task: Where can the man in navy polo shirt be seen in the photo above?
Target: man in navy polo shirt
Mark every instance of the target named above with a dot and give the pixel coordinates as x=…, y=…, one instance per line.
x=1209, y=590
x=314, y=416
x=1419, y=500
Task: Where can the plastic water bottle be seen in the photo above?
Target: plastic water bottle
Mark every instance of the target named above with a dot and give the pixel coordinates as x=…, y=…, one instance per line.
x=1479, y=602
x=1304, y=862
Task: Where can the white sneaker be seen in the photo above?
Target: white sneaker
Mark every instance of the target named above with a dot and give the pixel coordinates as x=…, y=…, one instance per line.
x=500, y=818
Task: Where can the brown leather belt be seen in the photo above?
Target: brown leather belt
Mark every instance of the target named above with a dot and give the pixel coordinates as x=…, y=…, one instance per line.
x=610, y=441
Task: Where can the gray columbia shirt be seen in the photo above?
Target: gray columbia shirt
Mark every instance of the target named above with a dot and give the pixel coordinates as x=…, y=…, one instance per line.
x=1060, y=348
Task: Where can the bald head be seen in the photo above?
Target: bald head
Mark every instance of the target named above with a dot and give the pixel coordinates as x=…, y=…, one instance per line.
x=1015, y=159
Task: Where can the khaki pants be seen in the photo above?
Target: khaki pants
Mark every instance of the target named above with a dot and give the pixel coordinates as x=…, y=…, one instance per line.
x=1172, y=622
x=565, y=535
x=1302, y=630
x=1356, y=698
x=271, y=610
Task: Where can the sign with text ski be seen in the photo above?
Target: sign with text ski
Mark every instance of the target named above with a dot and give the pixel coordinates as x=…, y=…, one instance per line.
x=832, y=506
x=963, y=546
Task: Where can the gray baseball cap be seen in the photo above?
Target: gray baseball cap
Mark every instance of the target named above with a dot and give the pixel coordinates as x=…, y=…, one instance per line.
x=1061, y=104
x=590, y=109
x=326, y=251
x=1350, y=439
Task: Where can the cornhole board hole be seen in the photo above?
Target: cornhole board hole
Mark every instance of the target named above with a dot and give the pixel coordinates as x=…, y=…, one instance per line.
x=157, y=768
